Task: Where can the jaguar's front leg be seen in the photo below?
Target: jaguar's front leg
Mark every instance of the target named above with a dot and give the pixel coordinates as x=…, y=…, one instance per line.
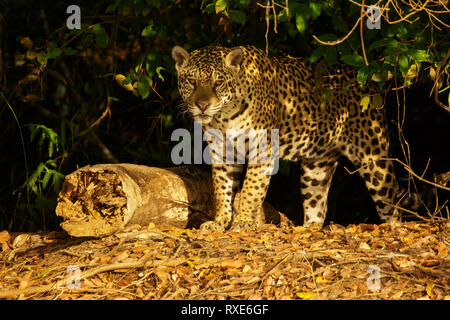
x=248, y=212
x=226, y=181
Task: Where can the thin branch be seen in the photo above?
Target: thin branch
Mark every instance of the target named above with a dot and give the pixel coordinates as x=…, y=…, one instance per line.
x=436, y=81
x=407, y=168
x=361, y=31
x=335, y=42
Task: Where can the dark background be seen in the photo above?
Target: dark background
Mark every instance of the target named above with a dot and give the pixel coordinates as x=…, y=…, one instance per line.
x=72, y=112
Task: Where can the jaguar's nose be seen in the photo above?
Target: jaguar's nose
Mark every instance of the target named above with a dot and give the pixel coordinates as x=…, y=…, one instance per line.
x=202, y=105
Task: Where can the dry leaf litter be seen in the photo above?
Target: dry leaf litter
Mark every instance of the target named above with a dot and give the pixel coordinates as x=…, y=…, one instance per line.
x=410, y=261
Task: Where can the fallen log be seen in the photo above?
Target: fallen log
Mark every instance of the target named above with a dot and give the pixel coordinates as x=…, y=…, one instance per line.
x=102, y=199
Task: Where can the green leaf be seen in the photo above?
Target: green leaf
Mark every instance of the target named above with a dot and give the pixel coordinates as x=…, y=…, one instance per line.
x=128, y=79
x=52, y=135
x=300, y=22
x=317, y=54
x=33, y=131
x=149, y=31
x=158, y=72
x=167, y=120
x=330, y=55
x=53, y=53
x=315, y=9
x=221, y=5
x=238, y=17
x=143, y=87
x=353, y=60
x=339, y=24
x=111, y=8
x=377, y=101
x=327, y=52
x=82, y=133
x=48, y=174
x=398, y=29
x=57, y=180
x=382, y=43
x=362, y=75
x=210, y=8
x=418, y=55
x=50, y=149
x=403, y=64
x=364, y=103
x=69, y=51
x=31, y=183
x=154, y=3
x=294, y=8
x=101, y=37
x=51, y=163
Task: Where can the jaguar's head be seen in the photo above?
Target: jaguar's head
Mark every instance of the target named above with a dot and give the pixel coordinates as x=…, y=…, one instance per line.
x=207, y=79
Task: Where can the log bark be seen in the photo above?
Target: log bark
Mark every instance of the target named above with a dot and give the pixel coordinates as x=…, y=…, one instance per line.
x=102, y=199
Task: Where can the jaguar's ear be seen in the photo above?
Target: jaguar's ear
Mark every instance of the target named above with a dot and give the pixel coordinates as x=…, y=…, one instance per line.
x=234, y=59
x=179, y=55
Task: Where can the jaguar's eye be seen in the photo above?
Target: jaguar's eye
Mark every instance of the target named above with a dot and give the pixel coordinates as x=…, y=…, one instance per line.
x=218, y=82
x=191, y=81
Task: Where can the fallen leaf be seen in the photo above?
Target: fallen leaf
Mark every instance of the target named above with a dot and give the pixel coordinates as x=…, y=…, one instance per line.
x=103, y=259
x=362, y=289
x=351, y=228
x=407, y=239
x=429, y=262
x=306, y=295
x=232, y=263
x=364, y=245
x=192, y=261
x=44, y=272
x=439, y=247
x=139, y=292
x=170, y=243
x=268, y=286
x=4, y=236
x=429, y=289
x=246, y=269
x=320, y=279
x=20, y=240
x=26, y=42
x=300, y=229
x=403, y=265
x=23, y=282
x=194, y=289
x=207, y=273
x=163, y=275
x=397, y=295
x=121, y=256
x=5, y=246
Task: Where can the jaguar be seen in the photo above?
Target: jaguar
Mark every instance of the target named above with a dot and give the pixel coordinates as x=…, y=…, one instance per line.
x=317, y=111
